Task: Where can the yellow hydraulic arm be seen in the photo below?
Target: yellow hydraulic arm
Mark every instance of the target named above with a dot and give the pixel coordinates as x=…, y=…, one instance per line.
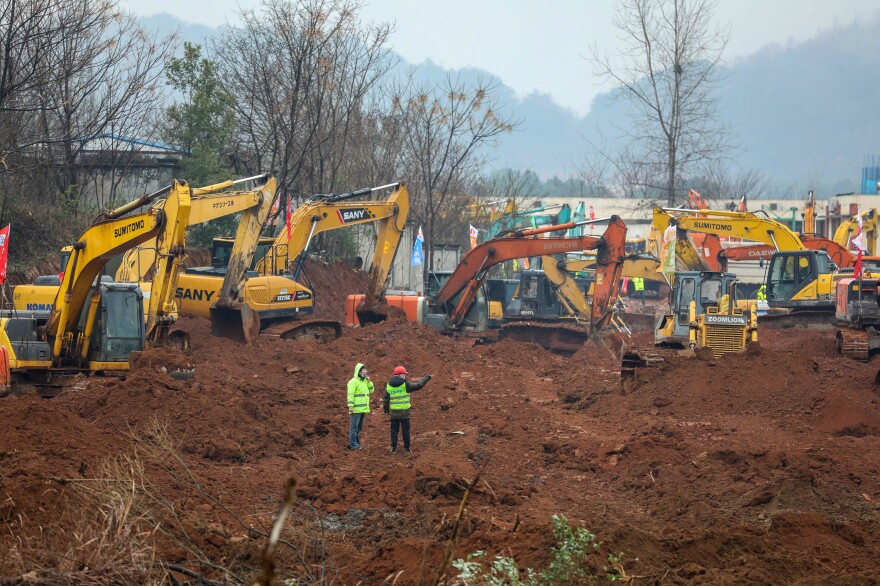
x=167, y=252
x=848, y=230
x=810, y=215
x=324, y=213
x=743, y=225
x=570, y=295
x=111, y=235
x=230, y=317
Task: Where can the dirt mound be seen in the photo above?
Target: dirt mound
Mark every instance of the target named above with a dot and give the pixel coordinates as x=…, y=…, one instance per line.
x=706, y=470
x=332, y=282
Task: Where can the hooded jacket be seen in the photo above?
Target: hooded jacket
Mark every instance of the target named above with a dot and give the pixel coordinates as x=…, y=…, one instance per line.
x=359, y=391
x=411, y=387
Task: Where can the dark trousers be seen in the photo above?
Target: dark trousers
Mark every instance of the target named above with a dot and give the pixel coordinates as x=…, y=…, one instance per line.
x=354, y=430
x=399, y=424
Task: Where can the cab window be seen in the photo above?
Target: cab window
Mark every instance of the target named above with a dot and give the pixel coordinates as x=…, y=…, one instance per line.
x=686, y=292
x=710, y=292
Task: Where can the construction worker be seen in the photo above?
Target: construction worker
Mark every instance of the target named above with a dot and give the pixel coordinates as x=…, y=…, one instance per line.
x=762, y=293
x=396, y=400
x=360, y=387
x=639, y=286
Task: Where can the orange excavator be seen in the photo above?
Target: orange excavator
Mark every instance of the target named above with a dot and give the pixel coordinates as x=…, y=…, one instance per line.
x=459, y=306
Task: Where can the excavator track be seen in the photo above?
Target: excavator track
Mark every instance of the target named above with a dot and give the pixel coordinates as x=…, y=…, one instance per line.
x=808, y=319
x=323, y=330
x=558, y=338
x=853, y=344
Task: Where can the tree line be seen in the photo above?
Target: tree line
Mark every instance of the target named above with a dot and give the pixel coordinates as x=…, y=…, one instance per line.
x=304, y=89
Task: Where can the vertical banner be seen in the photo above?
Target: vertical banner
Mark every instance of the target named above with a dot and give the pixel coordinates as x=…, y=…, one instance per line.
x=473, y=233
x=667, y=266
x=287, y=221
x=418, y=256
x=859, y=243
x=4, y=252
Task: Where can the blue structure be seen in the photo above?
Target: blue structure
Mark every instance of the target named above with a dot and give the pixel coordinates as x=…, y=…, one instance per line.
x=871, y=175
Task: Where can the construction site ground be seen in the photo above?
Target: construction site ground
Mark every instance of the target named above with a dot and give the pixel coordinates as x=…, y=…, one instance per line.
x=759, y=468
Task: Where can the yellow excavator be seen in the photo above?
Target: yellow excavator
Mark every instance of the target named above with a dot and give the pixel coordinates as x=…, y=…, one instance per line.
x=273, y=290
x=93, y=325
x=799, y=280
x=156, y=265
x=229, y=317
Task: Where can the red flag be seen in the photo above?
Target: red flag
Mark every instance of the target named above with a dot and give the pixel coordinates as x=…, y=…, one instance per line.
x=288, y=218
x=4, y=252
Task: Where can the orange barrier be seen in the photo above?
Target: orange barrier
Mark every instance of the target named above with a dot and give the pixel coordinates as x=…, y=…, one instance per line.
x=410, y=304
x=5, y=376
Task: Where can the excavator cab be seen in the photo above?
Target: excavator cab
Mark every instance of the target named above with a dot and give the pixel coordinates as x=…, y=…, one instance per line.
x=119, y=329
x=538, y=297
x=799, y=279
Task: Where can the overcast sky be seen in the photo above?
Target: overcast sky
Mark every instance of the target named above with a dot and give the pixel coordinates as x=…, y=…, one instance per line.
x=540, y=45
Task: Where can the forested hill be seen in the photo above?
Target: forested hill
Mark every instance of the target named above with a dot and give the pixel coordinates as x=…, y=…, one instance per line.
x=804, y=114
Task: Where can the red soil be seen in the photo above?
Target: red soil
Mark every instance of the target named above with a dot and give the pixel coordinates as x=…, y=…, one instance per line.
x=754, y=468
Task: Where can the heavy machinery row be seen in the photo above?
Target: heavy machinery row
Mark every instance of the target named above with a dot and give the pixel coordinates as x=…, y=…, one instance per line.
x=90, y=318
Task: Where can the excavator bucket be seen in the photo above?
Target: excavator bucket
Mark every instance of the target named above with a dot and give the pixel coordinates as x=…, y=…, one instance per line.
x=560, y=339
x=612, y=341
x=373, y=314
x=237, y=322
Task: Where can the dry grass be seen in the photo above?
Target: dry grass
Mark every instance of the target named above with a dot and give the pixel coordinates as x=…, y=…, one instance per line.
x=98, y=540
x=149, y=504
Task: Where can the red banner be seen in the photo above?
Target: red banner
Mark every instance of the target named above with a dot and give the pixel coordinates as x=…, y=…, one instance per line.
x=287, y=221
x=4, y=253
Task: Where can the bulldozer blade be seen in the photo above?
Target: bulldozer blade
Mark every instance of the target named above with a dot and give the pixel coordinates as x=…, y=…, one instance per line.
x=238, y=322
x=638, y=322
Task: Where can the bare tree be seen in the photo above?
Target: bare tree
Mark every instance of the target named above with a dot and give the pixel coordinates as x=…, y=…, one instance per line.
x=721, y=183
x=300, y=72
x=445, y=127
x=491, y=194
x=73, y=74
x=668, y=69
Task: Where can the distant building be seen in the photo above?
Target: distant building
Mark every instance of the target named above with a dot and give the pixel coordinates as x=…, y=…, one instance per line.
x=116, y=169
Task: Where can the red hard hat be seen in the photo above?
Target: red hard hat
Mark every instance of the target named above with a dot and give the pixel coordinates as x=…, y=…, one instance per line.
x=399, y=370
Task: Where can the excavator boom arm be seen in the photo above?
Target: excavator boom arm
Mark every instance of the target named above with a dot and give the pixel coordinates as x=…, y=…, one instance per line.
x=321, y=216
x=94, y=248
x=734, y=224
x=469, y=273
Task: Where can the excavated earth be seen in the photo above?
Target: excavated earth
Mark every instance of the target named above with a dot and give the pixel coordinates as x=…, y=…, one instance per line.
x=759, y=468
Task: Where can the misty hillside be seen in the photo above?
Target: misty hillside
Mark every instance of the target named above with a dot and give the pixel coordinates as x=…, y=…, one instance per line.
x=803, y=114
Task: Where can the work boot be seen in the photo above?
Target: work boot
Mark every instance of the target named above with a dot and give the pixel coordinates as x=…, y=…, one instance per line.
x=407, y=450
x=394, y=450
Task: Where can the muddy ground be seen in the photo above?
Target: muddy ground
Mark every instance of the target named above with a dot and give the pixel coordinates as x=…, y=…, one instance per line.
x=753, y=468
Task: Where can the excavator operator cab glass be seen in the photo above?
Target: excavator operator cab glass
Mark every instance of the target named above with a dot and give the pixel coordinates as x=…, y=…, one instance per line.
x=530, y=287
x=790, y=272
x=120, y=326
x=221, y=251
